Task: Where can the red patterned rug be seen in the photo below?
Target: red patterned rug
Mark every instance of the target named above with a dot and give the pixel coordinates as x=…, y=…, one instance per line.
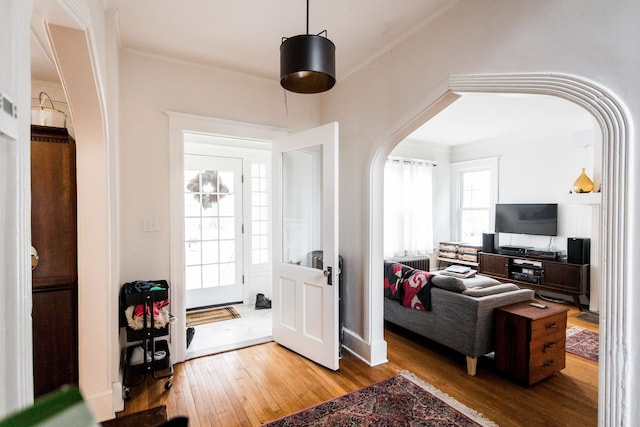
x=403, y=400
x=583, y=343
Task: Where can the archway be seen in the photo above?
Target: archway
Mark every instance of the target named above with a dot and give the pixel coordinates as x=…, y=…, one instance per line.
x=96, y=340
x=611, y=117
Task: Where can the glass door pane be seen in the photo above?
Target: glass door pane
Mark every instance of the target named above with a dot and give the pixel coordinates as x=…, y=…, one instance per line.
x=302, y=205
x=213, y=221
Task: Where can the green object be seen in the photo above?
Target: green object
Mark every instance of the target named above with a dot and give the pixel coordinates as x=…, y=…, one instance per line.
x=64, y=407
x=157, y=288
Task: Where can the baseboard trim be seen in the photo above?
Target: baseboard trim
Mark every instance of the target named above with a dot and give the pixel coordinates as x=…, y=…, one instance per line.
x=372, y=354
x=101, y=405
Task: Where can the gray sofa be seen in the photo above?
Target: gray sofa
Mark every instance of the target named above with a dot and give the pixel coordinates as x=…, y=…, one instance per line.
x=459, y=313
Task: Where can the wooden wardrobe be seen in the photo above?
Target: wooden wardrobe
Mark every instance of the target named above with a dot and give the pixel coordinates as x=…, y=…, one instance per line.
x=55, y=278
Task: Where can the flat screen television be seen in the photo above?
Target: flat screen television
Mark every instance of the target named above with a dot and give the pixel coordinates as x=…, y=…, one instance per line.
x=530, y=218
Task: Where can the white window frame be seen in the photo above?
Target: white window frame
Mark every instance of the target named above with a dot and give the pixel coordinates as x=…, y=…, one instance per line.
x=259, y=198
x=457, y=170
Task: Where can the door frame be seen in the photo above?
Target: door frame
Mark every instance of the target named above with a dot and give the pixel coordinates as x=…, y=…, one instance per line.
x=614, y=121
x=179, y=124
x=16, y=366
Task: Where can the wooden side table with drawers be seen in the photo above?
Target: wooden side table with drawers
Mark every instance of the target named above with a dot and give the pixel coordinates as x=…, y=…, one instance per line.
x=530, y=341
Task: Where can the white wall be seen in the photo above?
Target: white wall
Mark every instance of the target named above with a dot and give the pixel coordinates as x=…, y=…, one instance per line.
x=524, y=37
x=499, y=36
x=540, y=169
x=149, y=87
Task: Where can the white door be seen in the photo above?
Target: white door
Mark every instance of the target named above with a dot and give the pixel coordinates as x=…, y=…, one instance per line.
x=212, y=230
x=305, y=261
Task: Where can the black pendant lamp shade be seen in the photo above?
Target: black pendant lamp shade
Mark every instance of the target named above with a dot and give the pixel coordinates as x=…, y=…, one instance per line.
x=307, y=62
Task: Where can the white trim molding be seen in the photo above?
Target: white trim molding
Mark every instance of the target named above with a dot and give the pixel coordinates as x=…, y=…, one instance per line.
x=16, y=361
x=615, y=403
x=179, y=124
x=372, y=354
x=611, y=115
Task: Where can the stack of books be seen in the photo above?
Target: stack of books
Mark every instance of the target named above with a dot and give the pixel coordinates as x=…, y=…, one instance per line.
x=460, y=271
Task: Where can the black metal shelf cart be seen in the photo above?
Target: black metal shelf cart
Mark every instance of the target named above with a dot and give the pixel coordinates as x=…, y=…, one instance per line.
x=147, y=331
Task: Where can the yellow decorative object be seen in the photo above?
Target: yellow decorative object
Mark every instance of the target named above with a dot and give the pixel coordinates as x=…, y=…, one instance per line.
x=583, y=184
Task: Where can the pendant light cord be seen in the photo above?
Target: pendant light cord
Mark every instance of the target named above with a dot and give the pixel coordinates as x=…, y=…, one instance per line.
x=307, y=16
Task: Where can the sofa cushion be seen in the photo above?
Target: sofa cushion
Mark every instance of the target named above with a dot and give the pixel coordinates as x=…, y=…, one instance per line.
x=480, y=281
x=481, y=291
x=448, y=283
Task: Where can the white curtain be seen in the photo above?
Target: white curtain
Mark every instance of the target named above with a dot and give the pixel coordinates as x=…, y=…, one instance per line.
x=408, y=211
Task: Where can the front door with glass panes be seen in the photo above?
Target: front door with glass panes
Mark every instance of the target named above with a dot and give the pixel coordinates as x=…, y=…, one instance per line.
x=212, y=230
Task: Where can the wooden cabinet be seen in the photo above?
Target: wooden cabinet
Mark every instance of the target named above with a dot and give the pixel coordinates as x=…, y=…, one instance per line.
x=55, y=279
x=495, y=266
x=555, y=276
x=530, y=341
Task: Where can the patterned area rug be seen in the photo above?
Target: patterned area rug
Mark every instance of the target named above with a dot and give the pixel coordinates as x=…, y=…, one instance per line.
x=210, y=316
x=583, y=343
x=403, y=400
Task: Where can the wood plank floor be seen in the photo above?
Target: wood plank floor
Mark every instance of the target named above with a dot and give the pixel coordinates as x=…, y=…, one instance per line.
x=254, y=385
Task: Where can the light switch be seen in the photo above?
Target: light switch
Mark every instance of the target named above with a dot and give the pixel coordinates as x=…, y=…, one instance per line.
x=150, y=223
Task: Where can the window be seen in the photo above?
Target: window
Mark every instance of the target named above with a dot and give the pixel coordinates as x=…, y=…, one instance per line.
x=408, y=201
x=259, y=214
x=475, y=184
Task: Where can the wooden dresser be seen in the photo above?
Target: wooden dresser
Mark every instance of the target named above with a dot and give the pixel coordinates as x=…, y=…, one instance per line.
x=530, y=341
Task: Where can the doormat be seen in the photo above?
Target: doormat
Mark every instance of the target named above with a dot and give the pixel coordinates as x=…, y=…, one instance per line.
x=583, y=343
x=150, y=417
x=211, y=316
x=402, y=400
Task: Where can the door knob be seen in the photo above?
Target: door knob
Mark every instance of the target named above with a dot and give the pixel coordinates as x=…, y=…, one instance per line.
x=328, y=275
x=35, y=257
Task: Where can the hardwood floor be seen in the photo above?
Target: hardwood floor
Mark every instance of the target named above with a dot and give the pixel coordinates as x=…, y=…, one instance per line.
x=257, y=384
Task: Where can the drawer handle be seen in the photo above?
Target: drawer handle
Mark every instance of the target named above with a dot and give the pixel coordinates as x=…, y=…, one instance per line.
x=548, y=363
x=549, y=345
x=551, y=325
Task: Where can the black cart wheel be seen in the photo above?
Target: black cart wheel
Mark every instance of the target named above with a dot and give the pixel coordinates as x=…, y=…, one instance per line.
x=168, y=385
x=126, y=393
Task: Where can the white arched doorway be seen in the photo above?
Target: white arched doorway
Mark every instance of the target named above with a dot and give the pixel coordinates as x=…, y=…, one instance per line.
x=611, y=117
x=97, y=340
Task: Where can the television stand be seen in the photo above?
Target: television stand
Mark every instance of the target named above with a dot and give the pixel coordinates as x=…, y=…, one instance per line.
x=538, y=274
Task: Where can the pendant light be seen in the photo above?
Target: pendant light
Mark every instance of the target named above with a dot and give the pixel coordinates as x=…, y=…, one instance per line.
x=307, y=62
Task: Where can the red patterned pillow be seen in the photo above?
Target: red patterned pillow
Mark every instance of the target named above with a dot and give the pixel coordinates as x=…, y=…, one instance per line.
x=416, y=290
x=394, y=273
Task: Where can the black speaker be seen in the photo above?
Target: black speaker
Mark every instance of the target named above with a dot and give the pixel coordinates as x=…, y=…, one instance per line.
x=489, y=242
x=578, y=250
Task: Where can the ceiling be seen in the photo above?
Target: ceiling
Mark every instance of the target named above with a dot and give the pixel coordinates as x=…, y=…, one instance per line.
x=476, y=117
x=245, y=35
